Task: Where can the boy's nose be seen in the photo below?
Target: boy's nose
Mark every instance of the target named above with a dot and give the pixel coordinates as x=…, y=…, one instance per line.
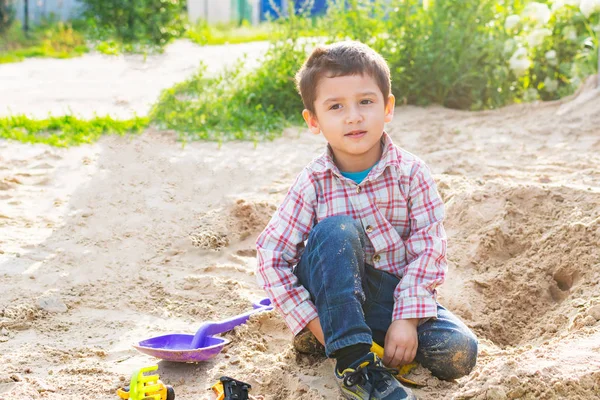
x=354, y=116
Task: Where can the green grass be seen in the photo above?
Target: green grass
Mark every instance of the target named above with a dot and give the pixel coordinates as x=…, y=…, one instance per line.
x=66, y=130
x=205, y=34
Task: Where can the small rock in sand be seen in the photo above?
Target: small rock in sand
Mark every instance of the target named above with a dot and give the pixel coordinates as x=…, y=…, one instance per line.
x=495, y=393
x=594, y=312
x=51, y=302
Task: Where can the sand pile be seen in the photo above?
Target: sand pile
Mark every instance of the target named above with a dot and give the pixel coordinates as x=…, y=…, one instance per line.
x=107, y=244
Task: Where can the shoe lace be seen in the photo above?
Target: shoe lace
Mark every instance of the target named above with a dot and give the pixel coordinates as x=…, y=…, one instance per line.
x=368, y=373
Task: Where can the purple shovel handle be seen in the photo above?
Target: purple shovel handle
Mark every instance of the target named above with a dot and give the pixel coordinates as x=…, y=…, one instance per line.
x=215, y=328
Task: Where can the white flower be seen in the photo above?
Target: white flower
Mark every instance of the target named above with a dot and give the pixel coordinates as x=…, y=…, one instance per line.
x=511, y=22
x=537, y=37
x=558, y=4
x=509, y=46
x=538, y=12
x=589, y=7
x=550, y=85
x=551, y=57
x=519, y=63
x=570, y=33
x=531, y=95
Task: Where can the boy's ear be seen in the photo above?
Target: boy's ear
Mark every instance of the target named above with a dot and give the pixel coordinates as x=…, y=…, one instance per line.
x=311, y=121
x=389, y=108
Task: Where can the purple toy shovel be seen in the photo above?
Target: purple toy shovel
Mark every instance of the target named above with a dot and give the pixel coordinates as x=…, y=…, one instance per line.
x=202, y=346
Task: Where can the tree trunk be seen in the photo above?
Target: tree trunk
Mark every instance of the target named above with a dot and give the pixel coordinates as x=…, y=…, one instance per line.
x=26, y=17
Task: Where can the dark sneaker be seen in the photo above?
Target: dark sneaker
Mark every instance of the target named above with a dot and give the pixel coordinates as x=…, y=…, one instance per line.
x=369, y=379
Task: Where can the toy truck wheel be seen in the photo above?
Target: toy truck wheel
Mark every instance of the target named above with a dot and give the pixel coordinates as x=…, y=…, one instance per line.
x=170, y=393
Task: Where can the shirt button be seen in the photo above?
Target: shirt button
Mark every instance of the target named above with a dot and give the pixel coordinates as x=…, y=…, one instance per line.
x=369, y=229
x=376, y=258
x=358, y=189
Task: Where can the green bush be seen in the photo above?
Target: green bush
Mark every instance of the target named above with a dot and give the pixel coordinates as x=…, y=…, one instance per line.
x=465, y=54
x=153, y=21
x=7, y=14
x=238, y=103
x=447, y=52
x=47, y=39
x=552, y=50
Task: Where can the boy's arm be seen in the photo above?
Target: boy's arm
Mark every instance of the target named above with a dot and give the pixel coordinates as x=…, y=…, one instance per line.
x=317, y=330
x=425, y=249
x=279, y=248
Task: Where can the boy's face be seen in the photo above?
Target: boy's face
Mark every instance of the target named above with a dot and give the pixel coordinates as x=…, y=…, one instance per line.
x=351, y=113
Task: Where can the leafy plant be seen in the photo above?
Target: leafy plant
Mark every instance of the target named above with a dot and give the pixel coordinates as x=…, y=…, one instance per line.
x=554, y=49
x=48, y=39
x=7, y=15
x=62, y=41
x=153, y=21
x=236, y=104
x=240, y=104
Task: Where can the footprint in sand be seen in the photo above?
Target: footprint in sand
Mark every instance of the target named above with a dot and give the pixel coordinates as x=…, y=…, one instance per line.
x=43, y=166
x=48, y=154
x=9, y=183
x=6, y=185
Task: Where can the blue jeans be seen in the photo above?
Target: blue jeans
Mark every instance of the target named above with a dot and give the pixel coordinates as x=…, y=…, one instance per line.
x=355, y=301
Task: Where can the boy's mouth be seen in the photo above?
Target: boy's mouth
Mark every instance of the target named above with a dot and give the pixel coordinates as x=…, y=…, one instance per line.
x=356, y=134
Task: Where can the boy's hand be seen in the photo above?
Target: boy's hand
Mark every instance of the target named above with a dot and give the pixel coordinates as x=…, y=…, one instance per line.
x=401, y=342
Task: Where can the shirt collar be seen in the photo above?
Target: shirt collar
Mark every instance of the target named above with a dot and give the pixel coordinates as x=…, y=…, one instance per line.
x=388, y=157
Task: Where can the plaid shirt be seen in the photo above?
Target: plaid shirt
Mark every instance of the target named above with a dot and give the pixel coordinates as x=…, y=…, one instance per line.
x=401, y=212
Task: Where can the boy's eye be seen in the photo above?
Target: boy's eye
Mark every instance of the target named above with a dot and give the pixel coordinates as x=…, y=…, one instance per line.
x=335, y=107
x=366, y=101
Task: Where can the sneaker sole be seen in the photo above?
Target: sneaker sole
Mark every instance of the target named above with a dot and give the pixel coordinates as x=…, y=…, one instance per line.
x=352, y=395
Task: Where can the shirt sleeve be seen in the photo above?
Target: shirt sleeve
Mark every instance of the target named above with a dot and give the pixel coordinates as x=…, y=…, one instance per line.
x=279, y=248
x=415, y=295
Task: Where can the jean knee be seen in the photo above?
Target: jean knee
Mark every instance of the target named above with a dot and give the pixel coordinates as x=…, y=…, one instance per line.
x=463, y=353
x=340, y=227
x=453, y=357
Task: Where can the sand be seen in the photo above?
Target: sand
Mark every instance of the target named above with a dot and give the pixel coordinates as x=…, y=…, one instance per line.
x=107, y=244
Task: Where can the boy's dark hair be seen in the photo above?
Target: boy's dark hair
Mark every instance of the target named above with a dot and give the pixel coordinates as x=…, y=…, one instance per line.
x=341, y=59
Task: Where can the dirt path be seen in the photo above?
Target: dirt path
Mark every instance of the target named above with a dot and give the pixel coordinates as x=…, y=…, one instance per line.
x=106, y=244
x=120, y=86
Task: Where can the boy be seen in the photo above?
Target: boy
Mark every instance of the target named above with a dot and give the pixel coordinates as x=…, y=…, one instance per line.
x=355, y=251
